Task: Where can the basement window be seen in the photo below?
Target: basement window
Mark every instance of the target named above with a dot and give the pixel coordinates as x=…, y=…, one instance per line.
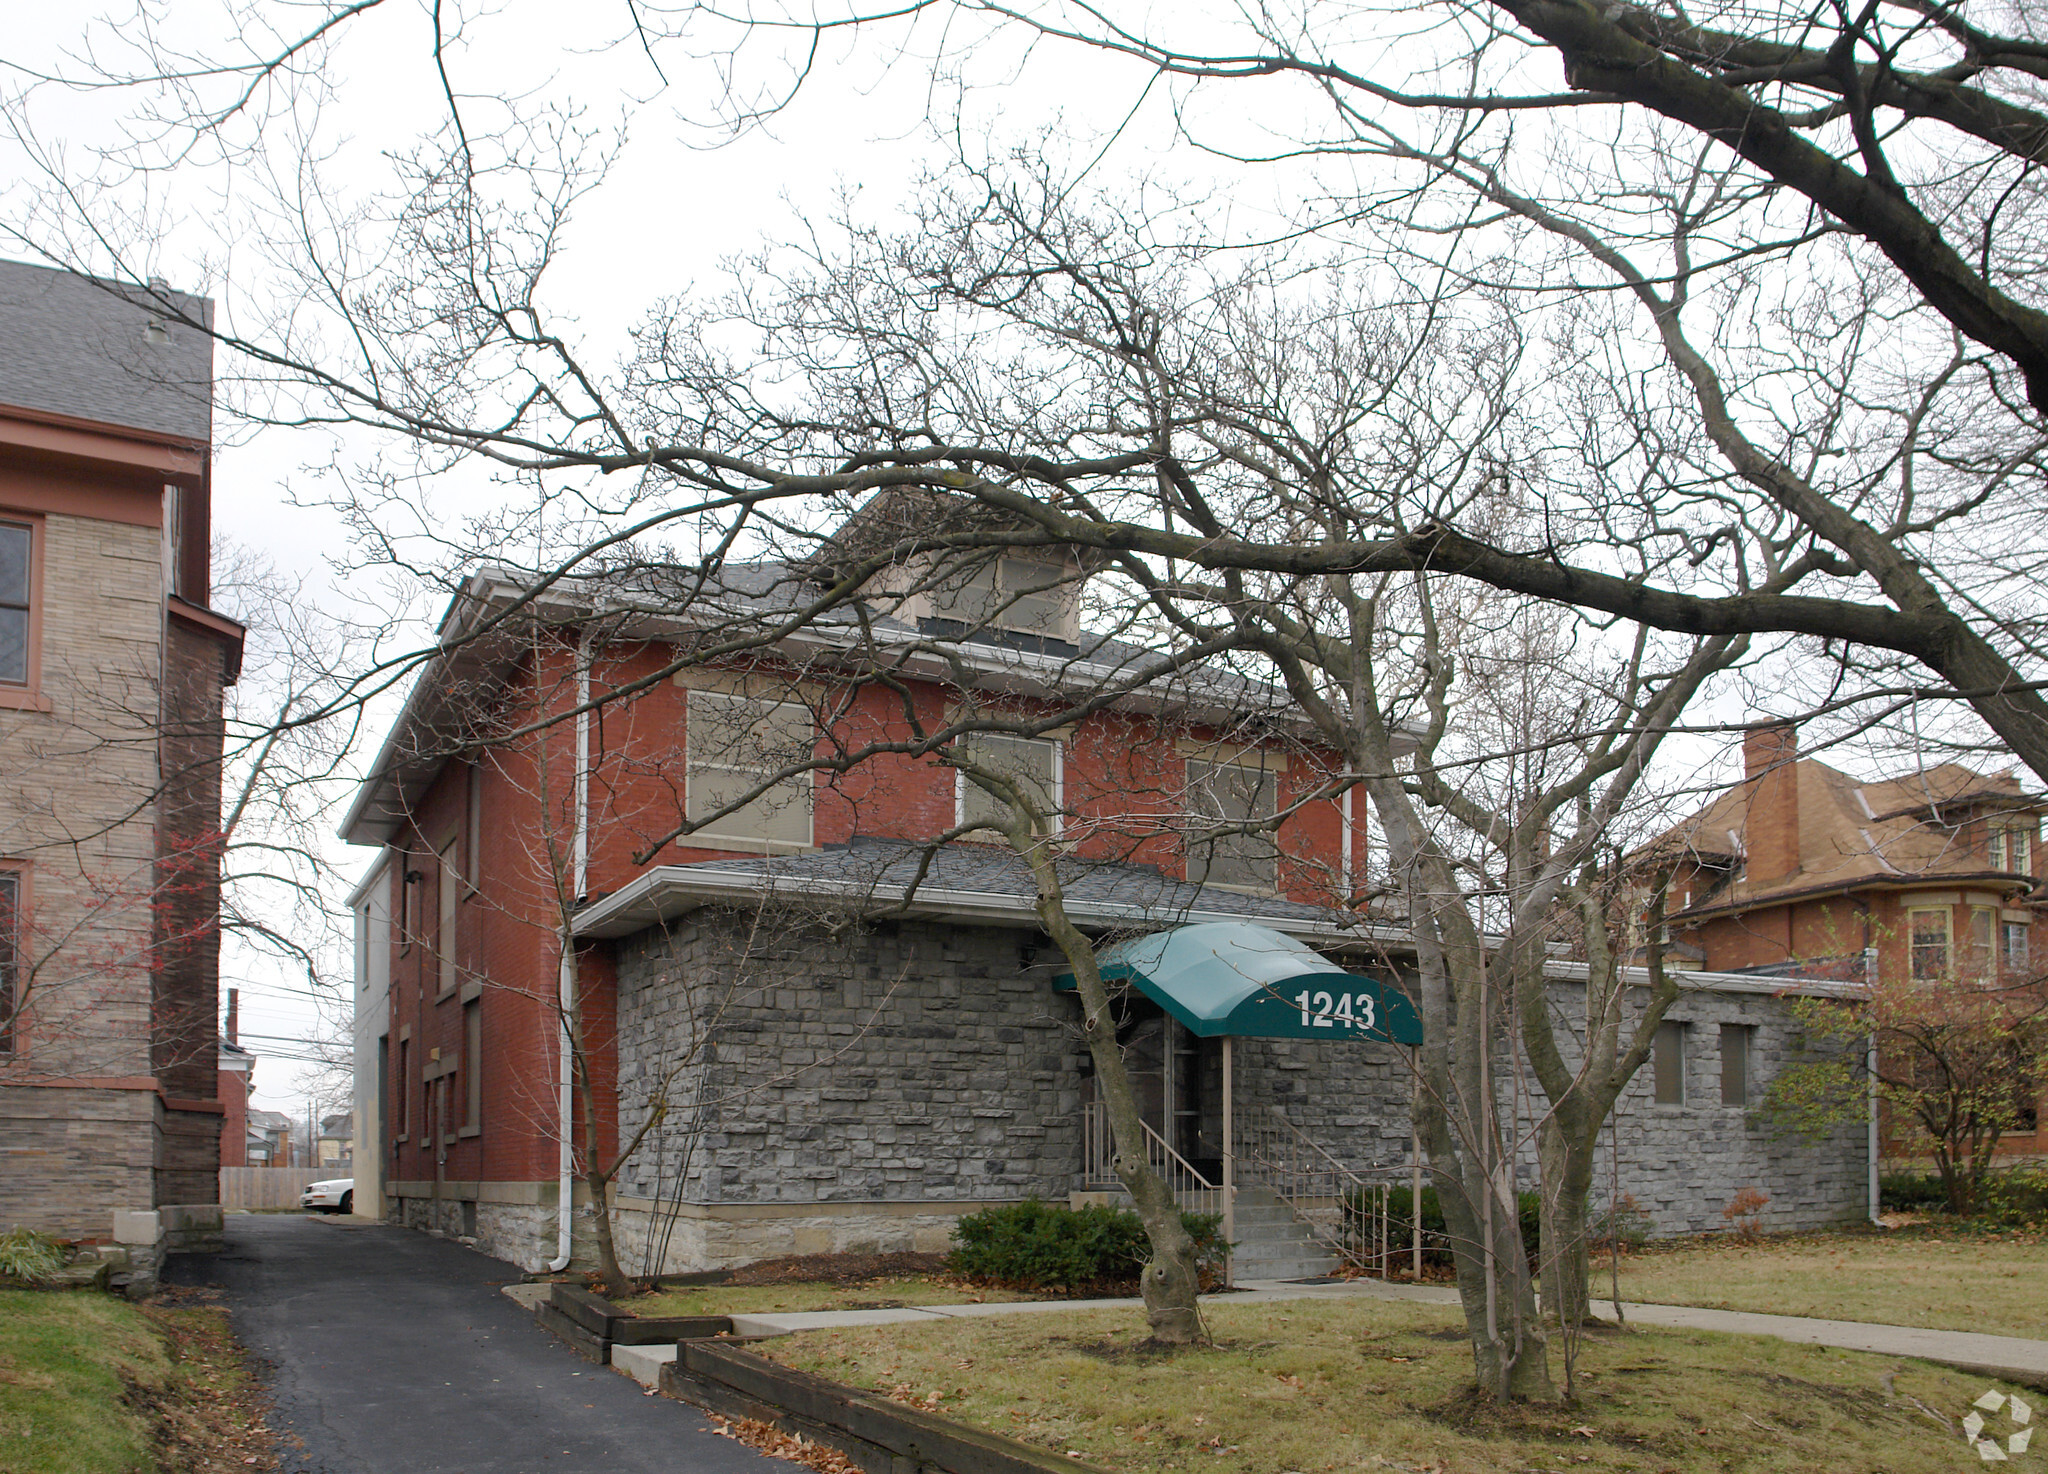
x=1667, y=1064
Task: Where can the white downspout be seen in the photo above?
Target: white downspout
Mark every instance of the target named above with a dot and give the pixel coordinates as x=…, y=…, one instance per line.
x=1870, y=1065
x=579, y=862
x=1344, y=864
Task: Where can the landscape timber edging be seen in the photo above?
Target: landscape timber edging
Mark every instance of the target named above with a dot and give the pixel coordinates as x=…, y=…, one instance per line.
x=592, y=1325
x=880, y=1436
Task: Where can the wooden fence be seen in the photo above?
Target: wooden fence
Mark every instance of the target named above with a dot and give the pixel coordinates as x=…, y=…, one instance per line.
x=257, y=1188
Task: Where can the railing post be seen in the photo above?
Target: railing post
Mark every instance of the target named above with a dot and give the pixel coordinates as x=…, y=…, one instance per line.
x=1229, y=1179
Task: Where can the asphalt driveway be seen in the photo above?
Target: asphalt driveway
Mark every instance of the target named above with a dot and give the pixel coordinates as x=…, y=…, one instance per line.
x=393, y=1353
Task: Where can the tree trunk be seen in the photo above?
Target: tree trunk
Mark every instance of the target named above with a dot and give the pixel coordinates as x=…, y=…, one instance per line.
x=616, y=1285
x=1567, y=1160
x=1170, y=1283
x=1510, y=1354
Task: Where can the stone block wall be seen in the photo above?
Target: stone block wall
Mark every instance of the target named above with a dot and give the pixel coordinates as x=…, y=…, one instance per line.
x=1683, y=1164
x=892, y=1062
x=880, y=1067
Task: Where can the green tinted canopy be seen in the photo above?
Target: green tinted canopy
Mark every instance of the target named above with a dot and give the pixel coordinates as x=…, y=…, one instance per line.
x=1249, y=981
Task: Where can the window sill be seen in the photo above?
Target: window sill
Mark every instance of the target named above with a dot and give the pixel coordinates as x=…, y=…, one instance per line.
x=469, y=1131
x=742, y=844
x=14, y=698
x=445, y=994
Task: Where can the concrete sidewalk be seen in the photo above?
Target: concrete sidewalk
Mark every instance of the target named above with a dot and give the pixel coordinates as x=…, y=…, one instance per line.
x=2012, y=1358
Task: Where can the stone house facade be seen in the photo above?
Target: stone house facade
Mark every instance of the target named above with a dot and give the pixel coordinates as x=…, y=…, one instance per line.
x=818, y=1006
x=112, y=668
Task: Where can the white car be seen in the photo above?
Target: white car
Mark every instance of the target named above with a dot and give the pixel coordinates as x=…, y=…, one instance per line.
x=337, y=1195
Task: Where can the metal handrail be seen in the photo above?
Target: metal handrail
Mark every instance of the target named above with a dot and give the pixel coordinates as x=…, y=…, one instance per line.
x=1318, y=1189
x=1194, y=1192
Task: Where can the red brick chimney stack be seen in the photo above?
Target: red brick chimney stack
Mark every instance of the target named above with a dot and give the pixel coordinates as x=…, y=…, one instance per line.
x=234, y=1007
x=1770, y=755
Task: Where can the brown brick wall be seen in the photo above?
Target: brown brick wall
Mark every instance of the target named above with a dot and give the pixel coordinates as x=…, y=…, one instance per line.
x=69, y=1158
x=187, y=911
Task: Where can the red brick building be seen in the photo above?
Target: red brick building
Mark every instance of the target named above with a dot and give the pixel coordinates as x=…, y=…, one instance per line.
x=834, y=1032
x=1801, y=868
x=236, y=1074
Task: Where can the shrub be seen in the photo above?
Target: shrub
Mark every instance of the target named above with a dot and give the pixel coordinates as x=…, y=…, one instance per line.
x=1908, y=1192
x=1744, y=1214
x=1035, y=1245
x=1625, y=1221
x=30, y=1258
x=2016, y=1195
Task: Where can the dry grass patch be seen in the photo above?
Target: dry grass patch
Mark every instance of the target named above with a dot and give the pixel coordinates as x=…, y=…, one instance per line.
x=1321, y=1385
x=886, y=1293
x=1996, y=1283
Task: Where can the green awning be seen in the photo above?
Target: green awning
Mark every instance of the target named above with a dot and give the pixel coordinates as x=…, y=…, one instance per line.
x=1249, y=981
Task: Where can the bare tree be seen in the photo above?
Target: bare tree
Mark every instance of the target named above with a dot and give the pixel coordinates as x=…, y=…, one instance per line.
x=1256, y=468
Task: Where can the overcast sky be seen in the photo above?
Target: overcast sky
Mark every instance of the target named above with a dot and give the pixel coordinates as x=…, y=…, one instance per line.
x=678, y=202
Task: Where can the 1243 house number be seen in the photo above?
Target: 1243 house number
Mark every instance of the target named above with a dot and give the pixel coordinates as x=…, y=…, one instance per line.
x=1337, y=1011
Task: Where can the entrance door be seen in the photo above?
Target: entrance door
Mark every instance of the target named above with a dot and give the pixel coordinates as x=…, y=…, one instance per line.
x=1176, y=1077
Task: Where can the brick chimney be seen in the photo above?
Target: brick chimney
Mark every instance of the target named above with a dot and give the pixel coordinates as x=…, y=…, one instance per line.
x=1770, y=756
x=234, y=1007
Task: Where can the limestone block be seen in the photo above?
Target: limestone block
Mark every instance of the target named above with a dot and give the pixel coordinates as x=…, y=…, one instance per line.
x=137, y=1226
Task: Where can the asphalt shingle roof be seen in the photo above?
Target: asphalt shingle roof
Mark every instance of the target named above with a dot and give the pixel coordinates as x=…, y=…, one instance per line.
x=78, y=346
x=886, y=866
x=1849, y=832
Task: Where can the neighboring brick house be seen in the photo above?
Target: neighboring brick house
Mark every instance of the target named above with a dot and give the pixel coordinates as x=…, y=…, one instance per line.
x=112, y=668
x=1802, y=869
x=856, y=1039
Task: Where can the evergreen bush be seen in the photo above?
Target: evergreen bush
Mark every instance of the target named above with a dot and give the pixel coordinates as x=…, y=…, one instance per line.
x=1034, y=1245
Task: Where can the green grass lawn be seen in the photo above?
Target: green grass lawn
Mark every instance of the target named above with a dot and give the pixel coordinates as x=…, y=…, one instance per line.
x=1312, y=1386
x=875, y=1294
x=71, y=1366
x=90, y=1384
x=1943, y=1281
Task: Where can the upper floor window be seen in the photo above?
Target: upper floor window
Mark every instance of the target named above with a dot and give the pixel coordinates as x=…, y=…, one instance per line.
x=447, y=886
x=1983, y=937
x=17, y=587
x=1019, y=594
x=1220, y=794
x=1927, y=936
x=2010, y=842
x=1032, y=762
x=735, y=744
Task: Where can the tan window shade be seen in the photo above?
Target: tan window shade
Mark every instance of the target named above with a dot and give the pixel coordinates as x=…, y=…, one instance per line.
x=1033, y=762
x=1667, y=1064
x=1231, y=793
x=734, y=743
